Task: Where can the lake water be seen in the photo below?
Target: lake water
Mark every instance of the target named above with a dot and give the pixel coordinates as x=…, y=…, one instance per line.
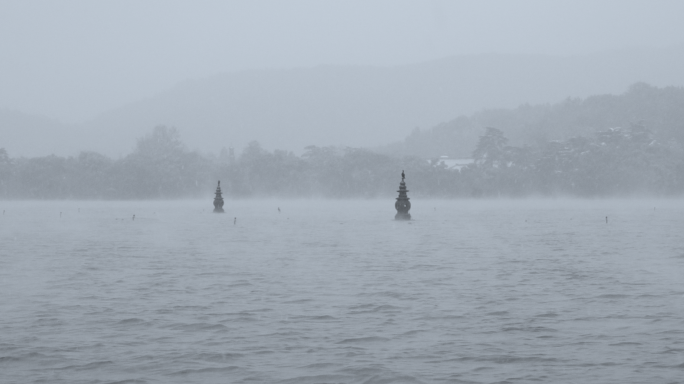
x=470, y=291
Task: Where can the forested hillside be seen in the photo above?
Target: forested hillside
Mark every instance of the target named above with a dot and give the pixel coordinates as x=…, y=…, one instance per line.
x=659, y=109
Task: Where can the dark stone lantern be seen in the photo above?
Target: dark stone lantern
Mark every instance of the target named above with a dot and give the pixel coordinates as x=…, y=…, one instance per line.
x=403, y=204
x=218, y=200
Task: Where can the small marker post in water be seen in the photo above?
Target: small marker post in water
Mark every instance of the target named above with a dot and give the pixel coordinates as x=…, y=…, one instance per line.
x=60, y=214
x=606, y=219
x=133, y=217
x=234, y=221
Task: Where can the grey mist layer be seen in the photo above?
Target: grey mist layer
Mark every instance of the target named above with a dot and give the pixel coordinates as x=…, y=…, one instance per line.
x=89, y=76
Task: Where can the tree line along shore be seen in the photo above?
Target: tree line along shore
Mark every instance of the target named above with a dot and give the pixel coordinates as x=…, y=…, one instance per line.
x=641, y=157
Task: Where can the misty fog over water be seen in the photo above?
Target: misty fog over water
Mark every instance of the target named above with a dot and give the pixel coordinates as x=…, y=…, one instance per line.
x=541, y=144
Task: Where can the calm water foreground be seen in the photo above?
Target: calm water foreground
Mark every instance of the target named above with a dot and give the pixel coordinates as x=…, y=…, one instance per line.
x=337, y=292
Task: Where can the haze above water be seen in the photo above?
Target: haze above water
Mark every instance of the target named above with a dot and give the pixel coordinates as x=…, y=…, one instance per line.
x=474, y=291
x=95, y=76
x=74, y=59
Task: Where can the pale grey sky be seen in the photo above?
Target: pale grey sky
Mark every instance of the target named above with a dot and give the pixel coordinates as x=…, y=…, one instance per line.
x=73, y=59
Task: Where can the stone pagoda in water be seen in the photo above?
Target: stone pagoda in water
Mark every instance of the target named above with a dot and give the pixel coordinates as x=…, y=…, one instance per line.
x=218, y=200
x=403, y=204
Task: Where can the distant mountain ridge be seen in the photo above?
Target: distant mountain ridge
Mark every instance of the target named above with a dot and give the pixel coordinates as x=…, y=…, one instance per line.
x=364, y=106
